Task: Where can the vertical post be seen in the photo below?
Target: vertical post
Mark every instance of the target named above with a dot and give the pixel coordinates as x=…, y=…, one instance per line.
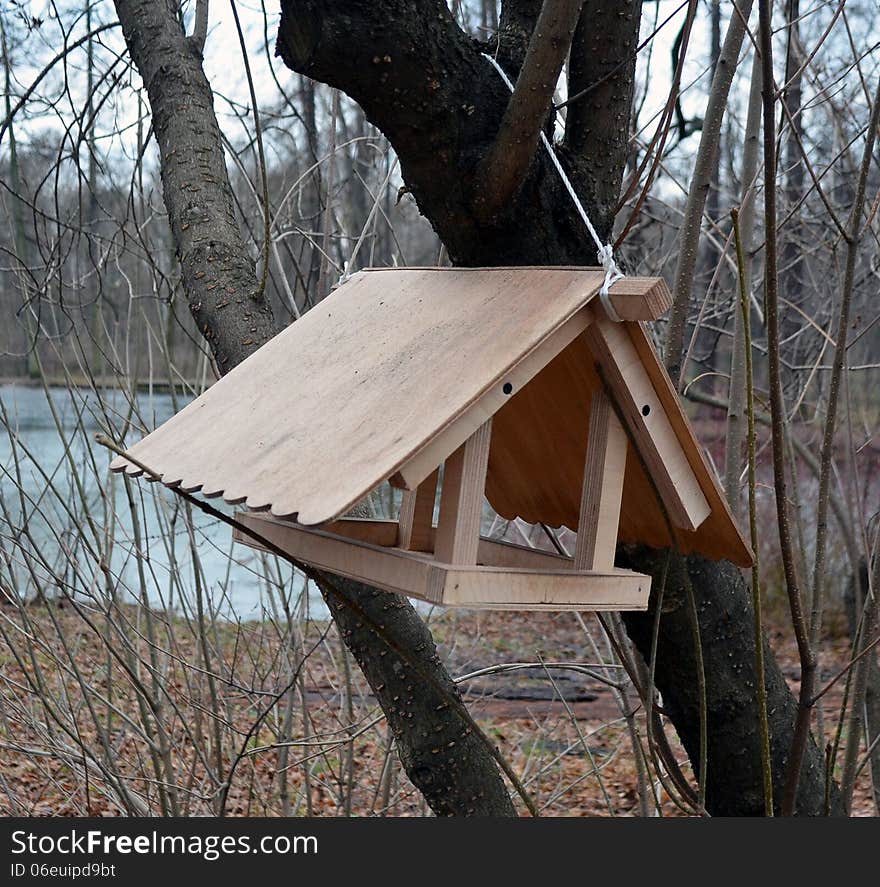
x=461, y=499
x=603, y=488
x=415, y=524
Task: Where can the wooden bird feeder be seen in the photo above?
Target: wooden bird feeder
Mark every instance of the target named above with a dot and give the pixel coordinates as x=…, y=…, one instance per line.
x=515, y=381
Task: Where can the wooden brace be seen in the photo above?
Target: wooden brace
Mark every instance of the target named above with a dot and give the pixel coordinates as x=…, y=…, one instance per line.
x=461, y=500
x=602, y=489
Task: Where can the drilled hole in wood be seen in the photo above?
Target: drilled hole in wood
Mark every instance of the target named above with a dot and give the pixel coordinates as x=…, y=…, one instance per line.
x=507, y=388
x=646, y=409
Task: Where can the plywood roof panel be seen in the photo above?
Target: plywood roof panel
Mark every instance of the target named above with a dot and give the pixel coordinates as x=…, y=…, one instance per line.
x=333, y=405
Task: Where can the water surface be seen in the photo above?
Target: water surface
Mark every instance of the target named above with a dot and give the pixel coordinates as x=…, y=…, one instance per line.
x=67, y=524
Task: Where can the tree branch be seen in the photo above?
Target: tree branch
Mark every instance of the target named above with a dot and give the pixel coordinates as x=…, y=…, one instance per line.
x=597, y=129
x=200, y=27
x=216, y=267
x=701, y=181
x=806, y=654
x=507, y=161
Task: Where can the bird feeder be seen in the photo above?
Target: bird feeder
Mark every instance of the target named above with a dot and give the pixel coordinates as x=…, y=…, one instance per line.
x=515, y=382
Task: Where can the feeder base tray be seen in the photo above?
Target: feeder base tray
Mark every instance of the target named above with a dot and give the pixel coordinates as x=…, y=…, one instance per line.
x=506, y=576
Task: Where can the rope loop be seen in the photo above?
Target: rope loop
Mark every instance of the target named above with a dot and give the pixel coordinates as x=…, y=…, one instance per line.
x=612, y=274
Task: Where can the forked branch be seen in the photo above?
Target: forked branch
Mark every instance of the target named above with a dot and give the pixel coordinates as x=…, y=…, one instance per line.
x=507, y=162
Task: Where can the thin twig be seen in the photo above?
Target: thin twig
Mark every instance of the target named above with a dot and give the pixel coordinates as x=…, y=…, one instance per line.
x=745, y=304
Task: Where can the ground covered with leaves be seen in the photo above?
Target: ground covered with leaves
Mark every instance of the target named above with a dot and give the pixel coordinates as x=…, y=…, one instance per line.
x=249, y=719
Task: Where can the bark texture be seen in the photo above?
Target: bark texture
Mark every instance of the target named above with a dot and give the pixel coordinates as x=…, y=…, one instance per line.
x=602, y=72
x=451, y=766
x=438, y=748
x=423, y=82
x=218, y=271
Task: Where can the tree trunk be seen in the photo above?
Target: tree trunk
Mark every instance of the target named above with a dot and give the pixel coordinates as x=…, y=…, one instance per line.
x=218, y=272
x=701, y=179
x=724, y=608
x=422, y=81
x=449, y=764
x=438, y=748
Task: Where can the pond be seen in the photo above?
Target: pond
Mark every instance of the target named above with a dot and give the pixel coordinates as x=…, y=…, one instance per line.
x=67, y=525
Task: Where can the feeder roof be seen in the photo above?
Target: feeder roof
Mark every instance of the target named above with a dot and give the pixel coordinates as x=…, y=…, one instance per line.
x=401, y=365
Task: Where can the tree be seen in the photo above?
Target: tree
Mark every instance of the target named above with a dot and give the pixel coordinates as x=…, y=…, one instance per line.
x=469, y=155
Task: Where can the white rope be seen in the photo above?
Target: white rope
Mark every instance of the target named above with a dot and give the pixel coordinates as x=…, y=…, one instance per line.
x=344, y=275
x=605, y=253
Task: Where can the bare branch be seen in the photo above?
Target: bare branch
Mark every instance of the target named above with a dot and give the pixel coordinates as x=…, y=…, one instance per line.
x=200, y=27
x=505, y=165
x=699, y=189
x=778, y=419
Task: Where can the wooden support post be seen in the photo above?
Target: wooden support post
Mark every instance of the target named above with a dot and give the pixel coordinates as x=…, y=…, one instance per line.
x=603, y=488
x=461, y=500
x=416, y=519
